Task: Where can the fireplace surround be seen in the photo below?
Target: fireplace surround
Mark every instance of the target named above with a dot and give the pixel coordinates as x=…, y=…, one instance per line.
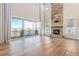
x=57, y=31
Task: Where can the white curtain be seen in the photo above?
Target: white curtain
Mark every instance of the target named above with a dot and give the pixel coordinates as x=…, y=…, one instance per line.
x=4, y=22
x=1, y=23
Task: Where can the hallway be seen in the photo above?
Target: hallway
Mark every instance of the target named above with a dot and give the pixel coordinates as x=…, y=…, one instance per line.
x=41, y=46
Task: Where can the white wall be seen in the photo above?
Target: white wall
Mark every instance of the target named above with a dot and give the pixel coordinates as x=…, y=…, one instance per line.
x=25, y=10
x=71, y=13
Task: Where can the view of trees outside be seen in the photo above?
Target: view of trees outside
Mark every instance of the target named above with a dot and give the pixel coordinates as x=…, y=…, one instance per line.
x=28, y=29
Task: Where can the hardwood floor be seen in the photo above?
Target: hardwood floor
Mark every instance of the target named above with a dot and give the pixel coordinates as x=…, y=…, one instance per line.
x=40, y=46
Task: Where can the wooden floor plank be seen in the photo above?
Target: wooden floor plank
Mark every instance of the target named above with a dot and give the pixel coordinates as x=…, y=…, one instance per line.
x=41, y=46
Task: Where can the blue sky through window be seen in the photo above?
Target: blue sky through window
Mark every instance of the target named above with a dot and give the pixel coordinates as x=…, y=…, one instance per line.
x=16, y=23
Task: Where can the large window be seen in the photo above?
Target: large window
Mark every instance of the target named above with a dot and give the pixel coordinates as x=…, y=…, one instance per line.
x=16, y=27
x=22, y=28
x=31, y=28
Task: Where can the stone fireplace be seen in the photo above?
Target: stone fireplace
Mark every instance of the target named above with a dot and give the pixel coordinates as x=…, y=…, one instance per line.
x=57, y=20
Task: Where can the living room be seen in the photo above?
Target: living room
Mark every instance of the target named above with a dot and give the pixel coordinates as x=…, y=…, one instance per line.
x=28, y=29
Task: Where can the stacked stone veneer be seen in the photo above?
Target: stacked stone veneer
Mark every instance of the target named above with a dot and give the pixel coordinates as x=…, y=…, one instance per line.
x=57, y=18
